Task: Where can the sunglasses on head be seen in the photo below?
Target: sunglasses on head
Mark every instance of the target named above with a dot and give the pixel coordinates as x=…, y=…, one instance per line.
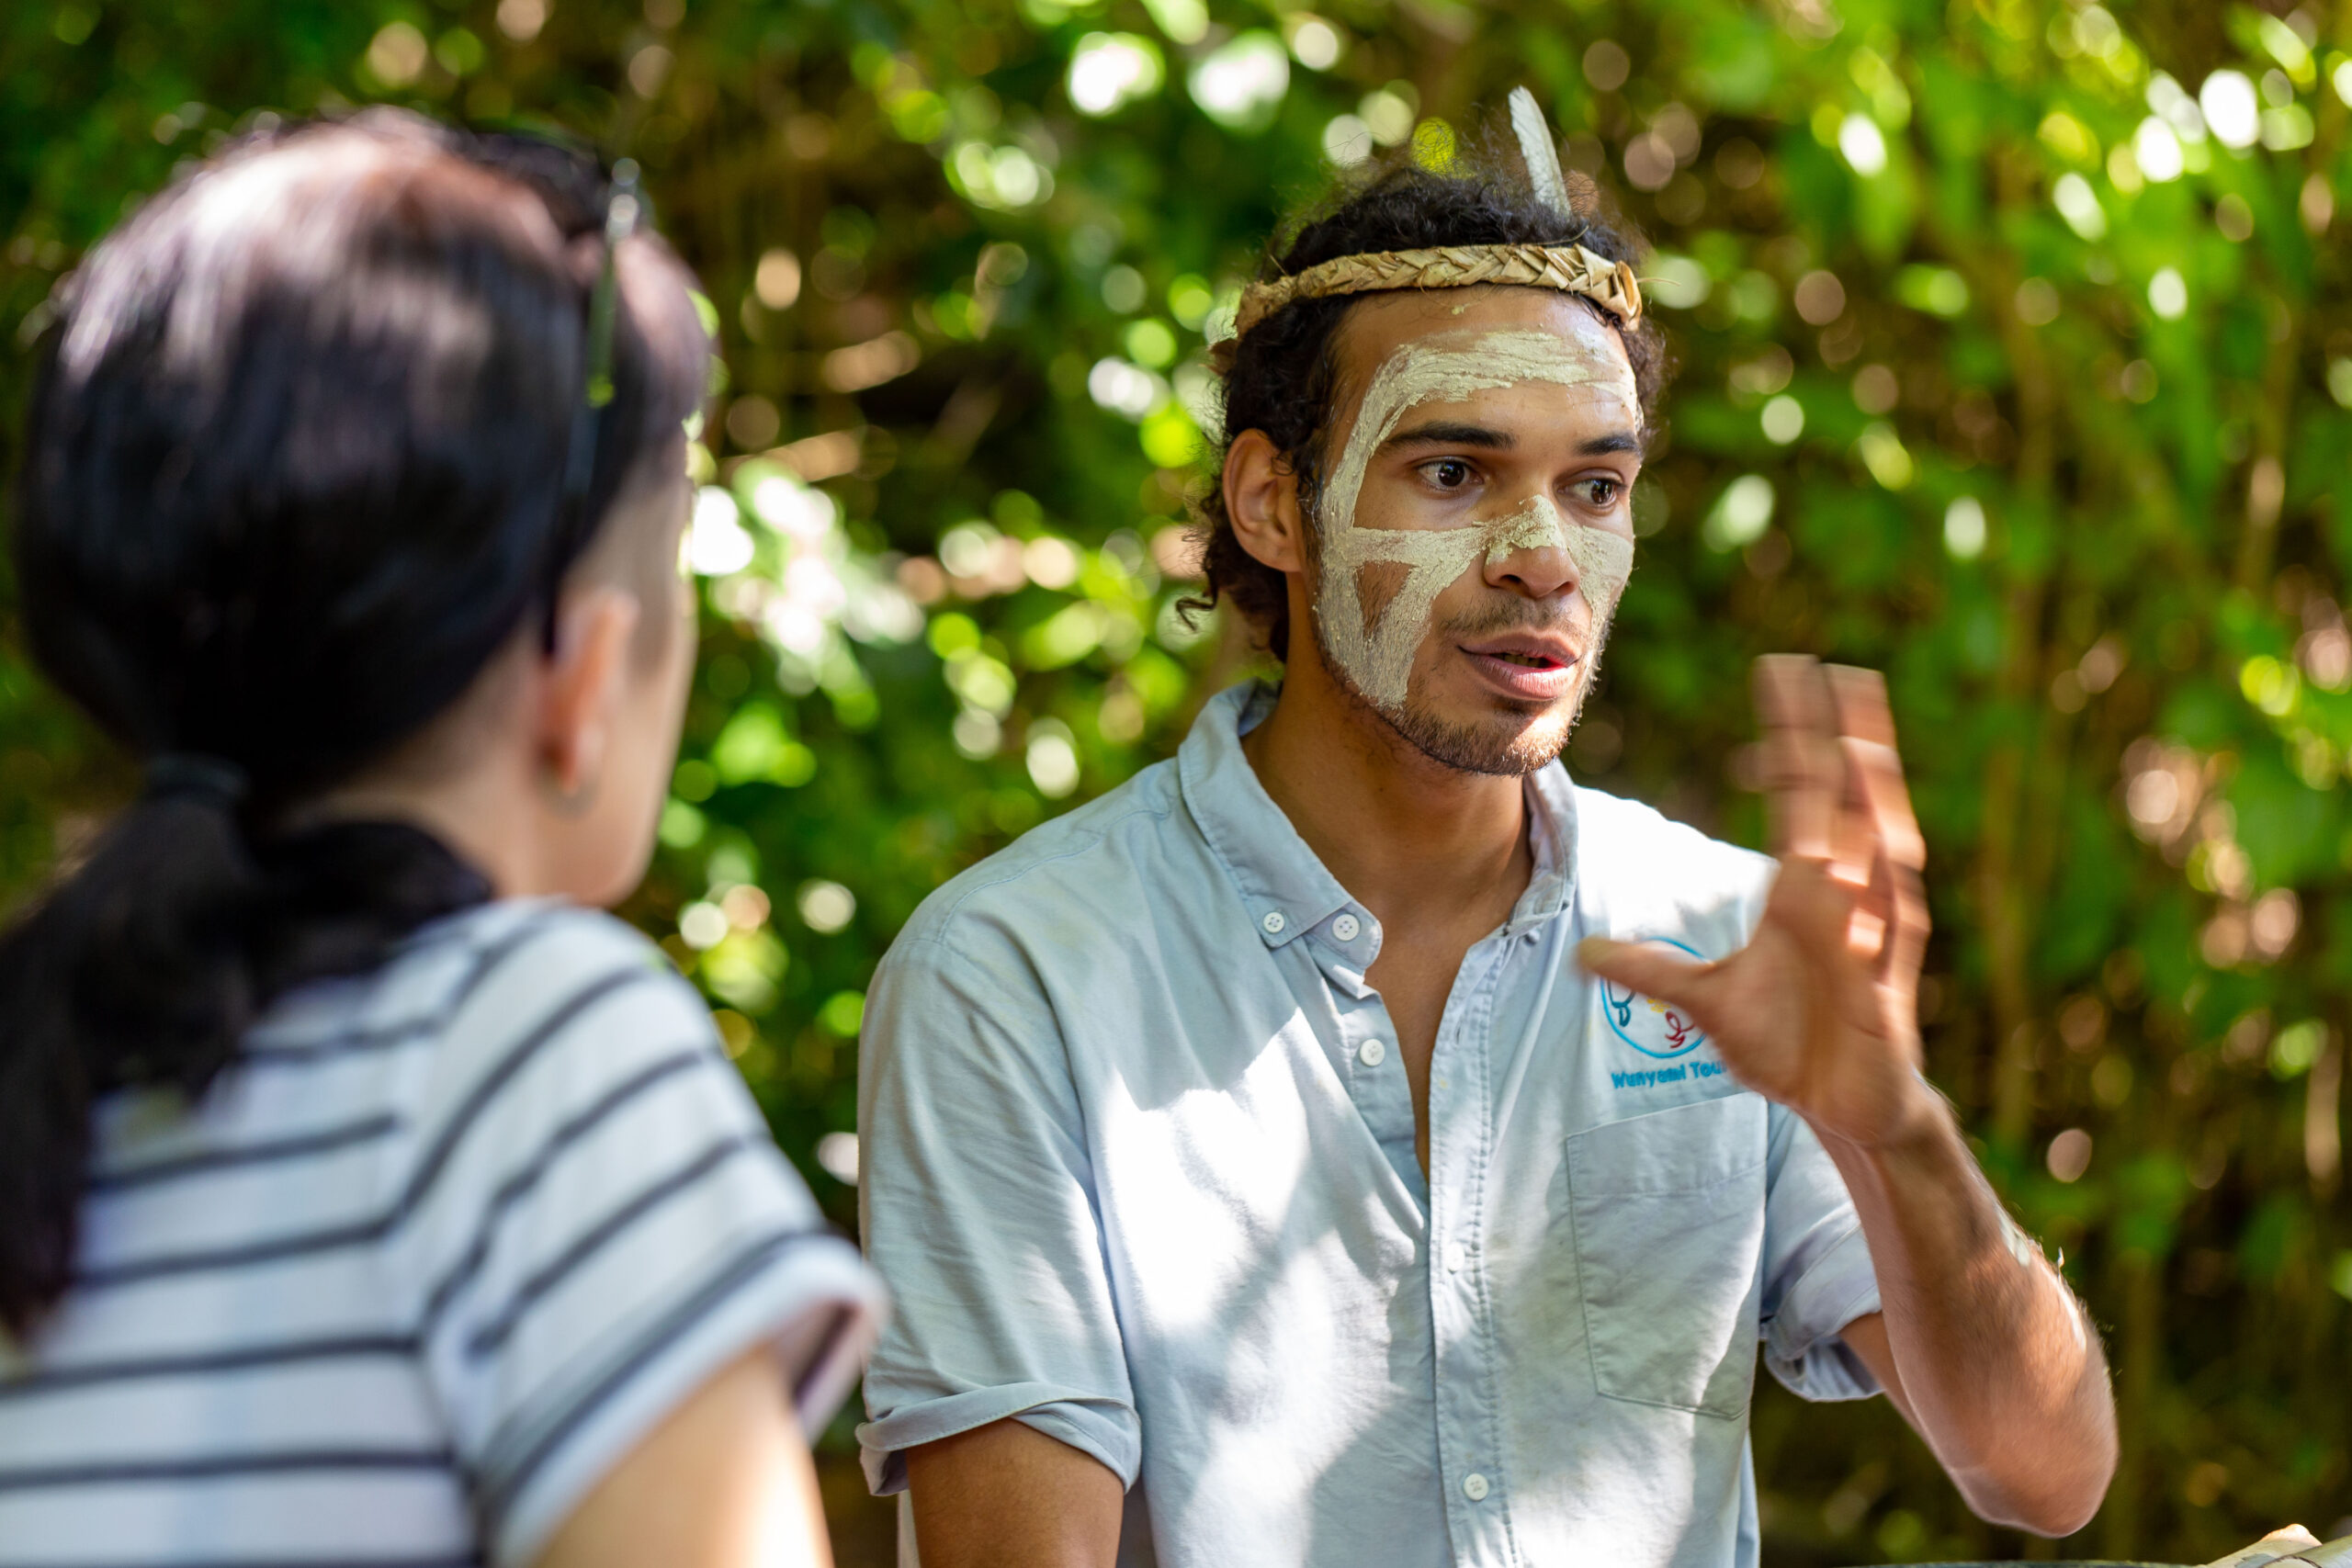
x=583, y=196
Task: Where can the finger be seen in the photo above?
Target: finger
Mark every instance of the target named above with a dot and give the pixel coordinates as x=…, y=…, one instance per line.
x=1902, y=904
x=1906, y=947
x=1875, y=817
x=1655, y=971
x=1858, y=700
x=1897, y=852
x=1883, y=804
x=1860, y=697
x=1887, y=924
x=1892, y=831
x=1873, y=767
x=1800, y=766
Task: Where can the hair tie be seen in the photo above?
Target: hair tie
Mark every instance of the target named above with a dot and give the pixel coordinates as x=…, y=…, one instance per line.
x=194, y=776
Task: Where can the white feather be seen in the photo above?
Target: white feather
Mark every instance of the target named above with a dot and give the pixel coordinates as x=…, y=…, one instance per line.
x=1536, y=146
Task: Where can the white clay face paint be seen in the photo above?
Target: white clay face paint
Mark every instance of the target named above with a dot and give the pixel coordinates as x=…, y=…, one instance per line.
x=1449, y=367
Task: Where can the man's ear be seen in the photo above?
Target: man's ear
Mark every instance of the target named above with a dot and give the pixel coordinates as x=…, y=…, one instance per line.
x=1262, y=500
x=581, y=691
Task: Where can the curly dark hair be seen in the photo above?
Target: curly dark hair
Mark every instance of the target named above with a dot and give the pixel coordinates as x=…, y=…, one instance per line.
x=1283, y=376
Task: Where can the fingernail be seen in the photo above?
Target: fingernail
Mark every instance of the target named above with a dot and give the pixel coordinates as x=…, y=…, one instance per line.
x=1596, y=948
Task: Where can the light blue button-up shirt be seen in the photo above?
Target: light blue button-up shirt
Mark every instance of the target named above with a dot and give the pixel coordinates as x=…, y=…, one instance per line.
x=1138, y=1168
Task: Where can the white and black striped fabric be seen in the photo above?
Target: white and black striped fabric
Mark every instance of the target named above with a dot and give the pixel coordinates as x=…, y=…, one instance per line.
x=442, y=1246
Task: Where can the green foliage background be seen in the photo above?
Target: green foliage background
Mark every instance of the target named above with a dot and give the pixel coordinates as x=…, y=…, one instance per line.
x=2000, y=369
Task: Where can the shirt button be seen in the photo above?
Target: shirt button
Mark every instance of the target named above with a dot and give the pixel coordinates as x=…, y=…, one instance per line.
x=1346, y=927
x=1273, y=922
x=1454, y=1257
x=1371, y=1053
x=1474, y=1486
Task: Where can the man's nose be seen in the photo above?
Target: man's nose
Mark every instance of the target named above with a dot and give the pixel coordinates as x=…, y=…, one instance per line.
x=1530, y=553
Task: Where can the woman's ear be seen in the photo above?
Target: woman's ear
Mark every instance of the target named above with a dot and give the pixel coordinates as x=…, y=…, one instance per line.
x=1261, y=501
x=580, y=693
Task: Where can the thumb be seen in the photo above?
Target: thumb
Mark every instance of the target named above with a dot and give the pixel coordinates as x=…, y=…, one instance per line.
x=1651, y=968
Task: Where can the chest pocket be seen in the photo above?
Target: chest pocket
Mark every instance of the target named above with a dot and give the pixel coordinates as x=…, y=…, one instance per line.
x=1669, y=1212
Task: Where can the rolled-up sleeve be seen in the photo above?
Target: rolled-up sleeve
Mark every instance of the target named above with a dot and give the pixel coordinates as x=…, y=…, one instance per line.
x=598, y=1222
x=978, y=1200
x=1817, y=1271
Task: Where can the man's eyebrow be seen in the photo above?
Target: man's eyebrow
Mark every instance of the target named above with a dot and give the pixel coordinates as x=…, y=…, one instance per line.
x=1447, y=432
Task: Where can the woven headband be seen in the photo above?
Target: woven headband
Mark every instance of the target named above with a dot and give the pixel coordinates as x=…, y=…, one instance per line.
x=1572, y=268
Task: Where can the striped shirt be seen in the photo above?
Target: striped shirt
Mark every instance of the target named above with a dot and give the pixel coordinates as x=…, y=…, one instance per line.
x=443, y=1244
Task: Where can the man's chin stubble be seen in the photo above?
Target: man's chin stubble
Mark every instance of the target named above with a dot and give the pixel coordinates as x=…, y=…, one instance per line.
x=1495, y=749
x=1498, y=750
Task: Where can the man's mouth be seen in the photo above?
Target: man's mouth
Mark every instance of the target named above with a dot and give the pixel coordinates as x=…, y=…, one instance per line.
x=1529, y=666
x=1528, y=650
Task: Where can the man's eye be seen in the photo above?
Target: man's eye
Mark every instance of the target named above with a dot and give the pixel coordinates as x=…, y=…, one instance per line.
x=1600, y=493
x=1447, y=473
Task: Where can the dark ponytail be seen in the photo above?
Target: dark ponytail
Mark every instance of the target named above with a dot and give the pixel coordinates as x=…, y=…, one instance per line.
x=293, y=474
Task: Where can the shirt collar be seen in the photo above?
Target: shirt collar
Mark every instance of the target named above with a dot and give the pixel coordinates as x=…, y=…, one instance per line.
x=1551, y=836
x=1287, y=890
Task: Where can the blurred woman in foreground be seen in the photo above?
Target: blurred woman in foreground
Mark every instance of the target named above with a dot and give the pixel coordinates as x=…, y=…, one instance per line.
x=363, y=1198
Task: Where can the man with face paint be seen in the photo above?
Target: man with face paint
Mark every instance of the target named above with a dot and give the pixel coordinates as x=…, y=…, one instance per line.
x=1353, y=1143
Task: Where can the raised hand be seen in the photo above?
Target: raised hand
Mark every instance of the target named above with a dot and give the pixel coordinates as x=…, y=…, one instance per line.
x=1820, y=1011
x=1977, y=1339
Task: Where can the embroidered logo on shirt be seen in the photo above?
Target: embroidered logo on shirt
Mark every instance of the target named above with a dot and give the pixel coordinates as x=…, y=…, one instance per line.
x=1648, y=1025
